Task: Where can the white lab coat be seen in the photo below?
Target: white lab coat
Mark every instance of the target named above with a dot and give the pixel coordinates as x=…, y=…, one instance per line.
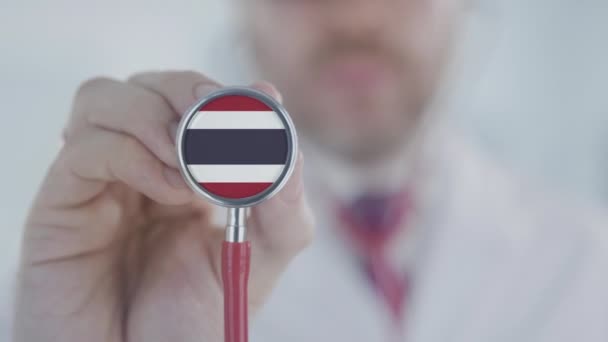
x=497, y=261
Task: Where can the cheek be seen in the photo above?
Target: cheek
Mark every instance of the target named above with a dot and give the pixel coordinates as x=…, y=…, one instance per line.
x=423, y=26
x=282, y=45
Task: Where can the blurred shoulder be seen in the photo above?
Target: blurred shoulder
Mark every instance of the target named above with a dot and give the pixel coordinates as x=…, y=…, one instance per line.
x=530, y=253
x=512, y=203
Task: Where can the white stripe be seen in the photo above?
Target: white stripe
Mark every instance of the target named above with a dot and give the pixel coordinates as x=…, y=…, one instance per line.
x=236, y=120
x=236, y=173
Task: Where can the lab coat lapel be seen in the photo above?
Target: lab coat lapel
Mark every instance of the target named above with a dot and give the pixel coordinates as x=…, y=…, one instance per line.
x=483, y=278
x=322, y=280
x=457, y=273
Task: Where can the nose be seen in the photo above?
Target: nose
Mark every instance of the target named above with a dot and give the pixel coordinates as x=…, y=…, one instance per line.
x=356, y=17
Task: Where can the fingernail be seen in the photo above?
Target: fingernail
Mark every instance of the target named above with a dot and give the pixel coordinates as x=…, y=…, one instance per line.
x=203, y=89
x=295, y=185
x=279, y=95
x=174, y=178
x=269, y=89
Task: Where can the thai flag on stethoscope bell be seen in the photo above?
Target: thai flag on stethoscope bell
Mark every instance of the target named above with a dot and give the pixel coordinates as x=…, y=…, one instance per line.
x=235, y=146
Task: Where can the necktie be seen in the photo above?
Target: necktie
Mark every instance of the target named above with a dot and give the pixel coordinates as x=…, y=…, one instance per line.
x=369, y=222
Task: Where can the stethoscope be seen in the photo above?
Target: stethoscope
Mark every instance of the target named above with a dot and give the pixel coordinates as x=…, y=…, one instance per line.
x=237, y=147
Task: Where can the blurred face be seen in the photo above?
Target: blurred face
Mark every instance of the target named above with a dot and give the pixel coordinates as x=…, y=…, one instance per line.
x=355, y=74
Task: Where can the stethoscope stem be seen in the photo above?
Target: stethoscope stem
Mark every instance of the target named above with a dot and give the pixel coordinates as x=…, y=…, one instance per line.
x=236, y=255
x=236, y=231
x=218, y=158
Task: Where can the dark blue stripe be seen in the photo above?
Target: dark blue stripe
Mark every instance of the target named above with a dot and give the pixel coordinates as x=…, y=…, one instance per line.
x=235, y=146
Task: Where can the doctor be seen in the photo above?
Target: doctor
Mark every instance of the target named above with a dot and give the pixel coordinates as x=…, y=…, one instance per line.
x=419, y=236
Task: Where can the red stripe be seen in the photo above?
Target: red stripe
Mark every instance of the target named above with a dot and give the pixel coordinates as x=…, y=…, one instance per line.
x=235, y=190
x=235, y=103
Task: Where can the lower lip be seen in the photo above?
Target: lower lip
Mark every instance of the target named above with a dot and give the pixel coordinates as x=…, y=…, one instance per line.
x=357, y=76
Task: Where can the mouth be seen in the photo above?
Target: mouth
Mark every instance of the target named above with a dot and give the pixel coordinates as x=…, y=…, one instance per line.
x=359, y=89
x=357, y=74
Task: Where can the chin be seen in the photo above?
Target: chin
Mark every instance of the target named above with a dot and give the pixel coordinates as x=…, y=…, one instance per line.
x=372, y=151
x=369, y=138
x=360, y=143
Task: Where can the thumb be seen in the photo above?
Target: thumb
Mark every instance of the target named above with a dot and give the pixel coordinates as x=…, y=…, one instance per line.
x=278, y=228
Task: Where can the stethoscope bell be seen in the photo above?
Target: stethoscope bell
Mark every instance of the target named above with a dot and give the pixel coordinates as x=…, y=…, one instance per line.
x=236, y=147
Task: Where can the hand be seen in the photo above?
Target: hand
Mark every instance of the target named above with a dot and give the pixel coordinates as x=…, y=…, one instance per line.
x=116, y=247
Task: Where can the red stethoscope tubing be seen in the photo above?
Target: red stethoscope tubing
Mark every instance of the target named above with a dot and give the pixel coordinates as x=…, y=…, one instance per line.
x=236, y=259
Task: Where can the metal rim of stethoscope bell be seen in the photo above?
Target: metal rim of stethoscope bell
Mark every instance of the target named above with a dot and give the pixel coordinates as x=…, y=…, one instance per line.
x=292, y=146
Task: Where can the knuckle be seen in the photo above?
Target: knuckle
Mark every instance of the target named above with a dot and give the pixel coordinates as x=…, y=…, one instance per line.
x=148, y=136
x=72, y=159
x=148, y=119
x=154, y=111
x=69, y=152
x=66, y=133
x=92, y=85
x=167, y=80
x=130, y=148
x=177, y=78
x=63, y=160
x=86, y=98
x=136, y=160
x=184, y=74
x=110, y=211
x=133, y=78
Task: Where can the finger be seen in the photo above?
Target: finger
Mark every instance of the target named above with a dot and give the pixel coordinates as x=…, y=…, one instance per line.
x=279, y=228
x=84, y=168
x=125, y=108
x=180, y=89
x=269, y=89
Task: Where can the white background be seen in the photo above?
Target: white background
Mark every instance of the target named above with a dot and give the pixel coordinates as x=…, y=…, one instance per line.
x=536, y=95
